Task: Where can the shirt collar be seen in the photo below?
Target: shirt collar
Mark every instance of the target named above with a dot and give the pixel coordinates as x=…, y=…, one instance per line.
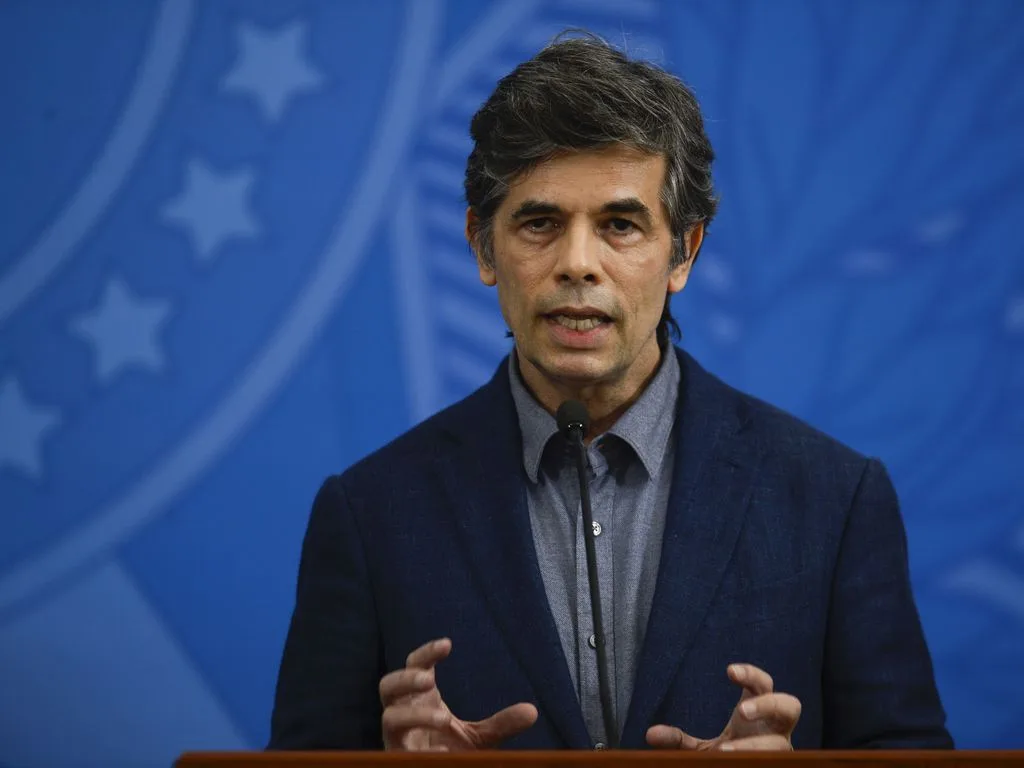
x=645, y=427
x=535, y=423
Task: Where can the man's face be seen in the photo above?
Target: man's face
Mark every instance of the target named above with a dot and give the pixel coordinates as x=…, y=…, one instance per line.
x=581, y=259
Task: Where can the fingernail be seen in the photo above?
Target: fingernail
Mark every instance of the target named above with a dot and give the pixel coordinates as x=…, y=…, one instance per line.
x=748, y=708
x=738, y=672
x=727, y=748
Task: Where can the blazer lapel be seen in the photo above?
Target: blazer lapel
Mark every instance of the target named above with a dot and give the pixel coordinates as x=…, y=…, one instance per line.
x=487, y=485
x=714, y=468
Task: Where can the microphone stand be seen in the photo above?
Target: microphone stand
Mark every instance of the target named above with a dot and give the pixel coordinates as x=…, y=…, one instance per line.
x=610, y=729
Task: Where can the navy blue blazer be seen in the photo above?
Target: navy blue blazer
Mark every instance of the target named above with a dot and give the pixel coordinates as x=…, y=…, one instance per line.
x=782, y=548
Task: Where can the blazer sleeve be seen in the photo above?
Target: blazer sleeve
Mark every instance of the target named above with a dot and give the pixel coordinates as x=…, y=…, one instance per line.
x=327, y=687
x=878, y=683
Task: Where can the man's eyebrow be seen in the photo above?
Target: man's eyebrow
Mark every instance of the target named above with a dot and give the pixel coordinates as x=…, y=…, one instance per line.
x=632, y=205
x=627, y=205
x=534, y=208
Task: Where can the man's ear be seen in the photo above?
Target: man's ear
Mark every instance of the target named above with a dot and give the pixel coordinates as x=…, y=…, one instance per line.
x=487, y=275
x=692, y=239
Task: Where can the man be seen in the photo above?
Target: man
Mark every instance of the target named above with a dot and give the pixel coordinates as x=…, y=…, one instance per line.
x=752, y=571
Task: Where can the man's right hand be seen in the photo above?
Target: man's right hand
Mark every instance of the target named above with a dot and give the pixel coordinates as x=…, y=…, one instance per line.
x=416, y=719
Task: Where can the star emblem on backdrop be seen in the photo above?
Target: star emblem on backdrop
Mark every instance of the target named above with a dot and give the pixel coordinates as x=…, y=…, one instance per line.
x=213, y=208
x=23, y=427
x=272, y=68
x=123, y=331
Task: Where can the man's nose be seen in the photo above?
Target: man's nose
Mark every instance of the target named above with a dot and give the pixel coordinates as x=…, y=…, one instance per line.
x=579, y=252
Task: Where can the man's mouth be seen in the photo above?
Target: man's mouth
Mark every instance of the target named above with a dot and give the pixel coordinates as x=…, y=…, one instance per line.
x=578, y=321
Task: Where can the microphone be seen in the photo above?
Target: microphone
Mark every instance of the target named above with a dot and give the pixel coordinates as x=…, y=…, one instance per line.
x=573, y=420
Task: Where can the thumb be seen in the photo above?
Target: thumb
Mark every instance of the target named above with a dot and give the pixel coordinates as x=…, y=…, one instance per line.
x=505, y=724
x=669, y=737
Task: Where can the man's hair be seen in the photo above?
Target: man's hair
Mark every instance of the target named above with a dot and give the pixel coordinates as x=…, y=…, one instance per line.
x=577, y=94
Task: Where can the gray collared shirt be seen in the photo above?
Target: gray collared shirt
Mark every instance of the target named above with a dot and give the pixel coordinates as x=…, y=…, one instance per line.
x=630, y=480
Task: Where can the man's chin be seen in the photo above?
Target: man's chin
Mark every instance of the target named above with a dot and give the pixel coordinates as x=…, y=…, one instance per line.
x=577, y=368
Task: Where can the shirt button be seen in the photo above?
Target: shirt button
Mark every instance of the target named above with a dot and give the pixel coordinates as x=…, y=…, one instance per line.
x=592, y=641
x=597, y=528
x=599, y=745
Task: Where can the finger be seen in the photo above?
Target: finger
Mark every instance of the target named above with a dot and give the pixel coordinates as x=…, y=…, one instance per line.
x=766, y=743
x=780, y=710
x=428, y=654
x=436, y=748
x=419, y=740
x=506, y=723
x=753, y=679
x=404, y=682
x=668, y=737
x=397, y=720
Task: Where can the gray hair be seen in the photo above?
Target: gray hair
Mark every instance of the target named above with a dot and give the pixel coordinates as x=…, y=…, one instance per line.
x=580, y=94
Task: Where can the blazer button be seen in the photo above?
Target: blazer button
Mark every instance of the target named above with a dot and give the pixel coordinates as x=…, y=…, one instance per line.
x=592, y=641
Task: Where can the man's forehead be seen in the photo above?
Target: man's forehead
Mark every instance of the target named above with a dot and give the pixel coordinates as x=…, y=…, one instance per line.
x=591, y=180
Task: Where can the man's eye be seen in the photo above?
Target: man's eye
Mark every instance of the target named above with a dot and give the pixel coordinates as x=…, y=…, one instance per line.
x=621, y=226
x=539, y=225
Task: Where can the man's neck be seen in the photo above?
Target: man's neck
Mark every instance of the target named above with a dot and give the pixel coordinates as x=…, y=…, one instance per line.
x=606, y=401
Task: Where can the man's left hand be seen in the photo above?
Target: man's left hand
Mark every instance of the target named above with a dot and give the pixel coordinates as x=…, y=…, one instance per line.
x=763, y=719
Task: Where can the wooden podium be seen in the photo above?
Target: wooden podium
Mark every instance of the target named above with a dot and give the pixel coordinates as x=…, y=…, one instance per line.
x=610, y=759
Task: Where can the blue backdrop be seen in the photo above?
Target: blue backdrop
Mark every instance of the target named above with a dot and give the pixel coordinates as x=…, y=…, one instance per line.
x=231, y=263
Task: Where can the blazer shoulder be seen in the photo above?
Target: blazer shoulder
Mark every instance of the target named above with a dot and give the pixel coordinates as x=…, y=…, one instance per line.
x=803, y=456
x=806, y=476
x=784, y=435
x=790, y=434
x=418, y=447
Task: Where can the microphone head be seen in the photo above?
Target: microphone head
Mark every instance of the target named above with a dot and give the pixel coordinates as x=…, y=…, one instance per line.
x=573, y=419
